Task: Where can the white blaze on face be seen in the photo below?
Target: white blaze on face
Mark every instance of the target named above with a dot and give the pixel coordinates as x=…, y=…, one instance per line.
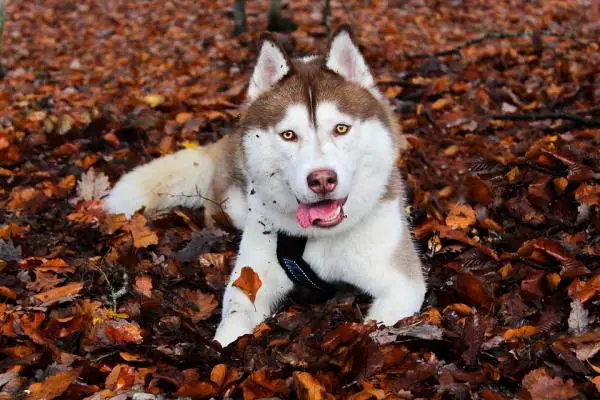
x=362, y=158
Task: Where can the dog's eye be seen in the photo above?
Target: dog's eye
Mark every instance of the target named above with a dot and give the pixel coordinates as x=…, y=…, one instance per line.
x=290, y=136
x=341, y=129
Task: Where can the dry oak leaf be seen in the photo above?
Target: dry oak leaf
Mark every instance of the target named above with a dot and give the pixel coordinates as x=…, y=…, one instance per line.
x=198, y=305
x=541, y=386
x=92, y=186
x=121, y=377
x=308, y=388
x=60, y=294
x=143, y=285
x=142, y=235
x=461, y=216
x=57, y=265
x=223, y=375
x=368, y=394
x=121, y=332
x=248, y=282
x=524, y=331
x=261, y=384
x=53, y=386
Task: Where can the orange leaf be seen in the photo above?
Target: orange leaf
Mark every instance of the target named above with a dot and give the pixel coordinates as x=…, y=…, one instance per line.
x=57, y=265
x=308, y=388
x=142, y=235
x=260, y=385
x=143, y=284
x=524, y=331
x=461, y=216
x=61, y=293
x=223, y=375
x=53, y=386
x=249, y=282
x=123, y=332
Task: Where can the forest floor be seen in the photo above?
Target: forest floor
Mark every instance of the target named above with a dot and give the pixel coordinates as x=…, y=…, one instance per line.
x=499, y=104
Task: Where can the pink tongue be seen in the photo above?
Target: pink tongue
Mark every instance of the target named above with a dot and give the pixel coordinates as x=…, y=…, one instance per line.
x=308, y=213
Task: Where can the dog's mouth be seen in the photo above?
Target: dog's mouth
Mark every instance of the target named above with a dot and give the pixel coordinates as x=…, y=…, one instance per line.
x=324, y=214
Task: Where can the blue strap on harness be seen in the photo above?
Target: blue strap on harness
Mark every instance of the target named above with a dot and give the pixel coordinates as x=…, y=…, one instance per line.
x=289, y=254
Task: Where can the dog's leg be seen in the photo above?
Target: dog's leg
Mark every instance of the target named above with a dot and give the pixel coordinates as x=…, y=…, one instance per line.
x=399, y=288
x=240, y=315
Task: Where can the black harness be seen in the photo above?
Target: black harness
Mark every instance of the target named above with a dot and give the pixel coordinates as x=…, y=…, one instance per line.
x=289, y=254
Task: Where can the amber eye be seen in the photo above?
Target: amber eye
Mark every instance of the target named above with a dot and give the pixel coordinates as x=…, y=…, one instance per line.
x=341, y=129
x=290, y=136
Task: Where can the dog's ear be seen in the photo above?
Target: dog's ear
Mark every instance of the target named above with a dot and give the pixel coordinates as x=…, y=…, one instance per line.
x=344, y=58
x=271, y=66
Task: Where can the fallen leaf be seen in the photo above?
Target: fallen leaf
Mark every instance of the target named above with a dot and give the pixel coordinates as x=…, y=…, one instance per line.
x=153, y=100
x=248, y=282
x=461, y=216
x=578, y=319
x=60, y=294
x=308, y=388
x=542, y=386
x=197, y=304
x=142, y=235
x=143, y=285
x=53, y=386
x=92, y=186
x=524, y=331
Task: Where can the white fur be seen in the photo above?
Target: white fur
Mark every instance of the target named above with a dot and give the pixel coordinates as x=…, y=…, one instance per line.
x=167, y=182
x=271, y=66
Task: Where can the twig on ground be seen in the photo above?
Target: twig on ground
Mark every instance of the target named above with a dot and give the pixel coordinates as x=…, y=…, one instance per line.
x=540, y=116
x=327, y=14
x=199, y=195
x=114, y=295
x=492, y=35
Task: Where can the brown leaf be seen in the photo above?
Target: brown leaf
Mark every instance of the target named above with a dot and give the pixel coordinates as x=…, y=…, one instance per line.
x=542, y=386
x=143, y=285
x=479, y=190
x=57, y=265
x=60, y=294
x=121, y=331
x=197, y=304
x=142, y=235
x=53, y=386
x=308, y=388
x=261, y=384
x=121, y=377
x=461, y=216
x=471, y=288
x=588, y=290
x=248, y=282
x=222, y=375
x=524, y=331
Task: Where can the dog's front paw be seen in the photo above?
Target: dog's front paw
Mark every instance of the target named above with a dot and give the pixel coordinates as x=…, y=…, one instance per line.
x=394, y=307
x=233, y=326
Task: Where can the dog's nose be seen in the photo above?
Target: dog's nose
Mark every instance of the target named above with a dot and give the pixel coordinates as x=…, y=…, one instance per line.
x=322, y=180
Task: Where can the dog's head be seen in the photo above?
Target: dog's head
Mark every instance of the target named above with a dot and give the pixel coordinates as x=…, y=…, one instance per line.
x=318, y=138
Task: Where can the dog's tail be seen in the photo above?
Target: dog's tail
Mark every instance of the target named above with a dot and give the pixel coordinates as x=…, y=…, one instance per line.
x=179, y=179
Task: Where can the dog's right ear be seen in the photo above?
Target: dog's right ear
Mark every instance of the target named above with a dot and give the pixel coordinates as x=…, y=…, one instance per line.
x=271, y=66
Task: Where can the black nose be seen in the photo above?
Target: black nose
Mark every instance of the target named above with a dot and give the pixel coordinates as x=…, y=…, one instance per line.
x=322, y=181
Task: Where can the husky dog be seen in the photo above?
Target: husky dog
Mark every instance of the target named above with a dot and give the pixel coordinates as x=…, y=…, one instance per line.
x=313, y=157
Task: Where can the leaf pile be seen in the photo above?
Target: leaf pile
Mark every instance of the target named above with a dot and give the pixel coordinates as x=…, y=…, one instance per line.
x=503, y=176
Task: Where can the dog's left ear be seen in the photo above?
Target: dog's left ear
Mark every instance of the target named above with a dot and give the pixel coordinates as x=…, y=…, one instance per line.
x=344, y=58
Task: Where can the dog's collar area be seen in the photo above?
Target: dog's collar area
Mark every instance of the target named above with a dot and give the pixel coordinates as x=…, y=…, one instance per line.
x=289, y=254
